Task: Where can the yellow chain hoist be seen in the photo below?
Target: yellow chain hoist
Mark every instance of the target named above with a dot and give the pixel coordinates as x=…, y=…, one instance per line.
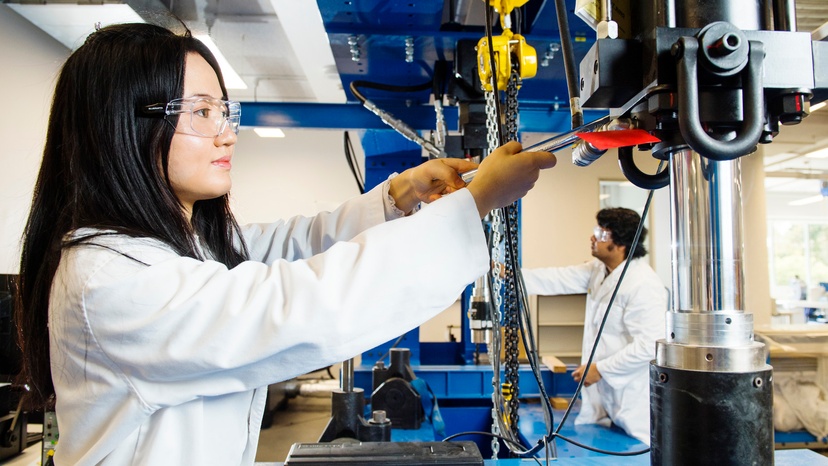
x=510, y=50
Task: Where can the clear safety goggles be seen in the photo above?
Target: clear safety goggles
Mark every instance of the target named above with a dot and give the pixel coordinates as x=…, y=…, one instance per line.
x=601, y=235
x=199, y=116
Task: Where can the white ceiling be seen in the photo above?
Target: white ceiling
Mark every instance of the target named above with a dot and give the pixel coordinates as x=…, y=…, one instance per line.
x=281, y=50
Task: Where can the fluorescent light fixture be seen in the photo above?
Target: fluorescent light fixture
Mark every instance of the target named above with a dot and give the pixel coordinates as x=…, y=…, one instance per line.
x=231, y=79
x=69, y=24
x=264, y=132
x=818, y=154
x=818, y=106
x=601, y=197
x=807, y=200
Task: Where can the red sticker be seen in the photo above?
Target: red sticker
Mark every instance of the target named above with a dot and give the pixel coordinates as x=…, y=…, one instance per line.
x=620, y=138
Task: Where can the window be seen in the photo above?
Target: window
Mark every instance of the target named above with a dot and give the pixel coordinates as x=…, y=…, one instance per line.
x=797, y=249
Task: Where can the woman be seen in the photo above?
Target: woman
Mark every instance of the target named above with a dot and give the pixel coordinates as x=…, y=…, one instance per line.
x=154, y=319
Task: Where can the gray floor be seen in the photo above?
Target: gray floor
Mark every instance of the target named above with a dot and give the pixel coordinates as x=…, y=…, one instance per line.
x=302, y=420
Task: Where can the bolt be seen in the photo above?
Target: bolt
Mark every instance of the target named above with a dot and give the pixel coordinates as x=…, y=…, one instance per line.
x=409, y=49
x=353, y=44
x=379, y=417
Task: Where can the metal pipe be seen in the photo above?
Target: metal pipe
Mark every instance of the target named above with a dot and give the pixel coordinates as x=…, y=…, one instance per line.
x=606, y=10
x=707, y=233
x=554, y=143
x=784, y=15
x=348, y=375
x=744, y=14
x=666, y=13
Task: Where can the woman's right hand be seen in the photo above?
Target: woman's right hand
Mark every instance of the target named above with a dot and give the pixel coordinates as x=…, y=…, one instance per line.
x=506, y=175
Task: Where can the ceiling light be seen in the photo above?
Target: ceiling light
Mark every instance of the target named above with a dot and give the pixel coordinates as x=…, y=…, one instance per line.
x=807, y=200
x=818, y=106
x=818, y=154
x=70, y=24
x=265, y=132
x=231, y=79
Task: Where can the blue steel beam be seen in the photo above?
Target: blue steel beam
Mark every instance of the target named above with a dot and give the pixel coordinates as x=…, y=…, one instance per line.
x=534, y=118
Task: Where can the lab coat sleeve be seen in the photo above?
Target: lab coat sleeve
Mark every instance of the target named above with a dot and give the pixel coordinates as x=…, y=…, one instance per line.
x=174, y=328
x=551, y=281
x=302, y=237
x=643, y=319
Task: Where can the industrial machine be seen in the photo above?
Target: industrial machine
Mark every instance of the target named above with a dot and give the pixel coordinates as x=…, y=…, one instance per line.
x=697, y=84
x=709, y=80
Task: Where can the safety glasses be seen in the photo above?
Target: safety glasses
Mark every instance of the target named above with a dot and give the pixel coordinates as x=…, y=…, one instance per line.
x=199, y=116
x=601, y=235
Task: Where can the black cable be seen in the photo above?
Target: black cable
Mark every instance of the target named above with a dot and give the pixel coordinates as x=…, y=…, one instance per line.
x=569, y=64
x=352, y=163
x=488, y=434
x=609, y=307
x=605, y=452
x=494, y=73
x=438, y=81
x=386, y=87
x=527, y=335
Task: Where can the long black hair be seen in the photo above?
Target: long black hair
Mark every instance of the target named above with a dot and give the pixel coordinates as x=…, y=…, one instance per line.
x=106, y=168
x=622, y=224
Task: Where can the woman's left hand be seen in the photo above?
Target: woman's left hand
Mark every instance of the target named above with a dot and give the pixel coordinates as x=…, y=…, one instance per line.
x=428, y=182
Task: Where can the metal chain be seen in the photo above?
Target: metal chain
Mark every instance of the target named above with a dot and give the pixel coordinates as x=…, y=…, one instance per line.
x=510, y=306
x=504, y=284
x=497, y=282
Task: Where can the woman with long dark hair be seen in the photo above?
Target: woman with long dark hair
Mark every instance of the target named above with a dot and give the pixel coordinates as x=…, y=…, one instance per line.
x=152, y=319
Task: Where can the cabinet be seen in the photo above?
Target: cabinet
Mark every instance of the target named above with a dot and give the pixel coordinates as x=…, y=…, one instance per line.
x=560, y=326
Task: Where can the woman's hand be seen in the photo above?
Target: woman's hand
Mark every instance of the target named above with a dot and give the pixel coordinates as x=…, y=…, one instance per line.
x=428, y=182
x=506, y=175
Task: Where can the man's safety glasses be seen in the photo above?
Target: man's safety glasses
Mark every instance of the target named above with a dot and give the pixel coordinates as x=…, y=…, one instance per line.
x=601, y=235
x=199, y=116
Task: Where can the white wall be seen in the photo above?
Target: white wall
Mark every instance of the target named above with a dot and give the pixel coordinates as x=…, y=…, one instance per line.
x=30, y=62
x=301, y=174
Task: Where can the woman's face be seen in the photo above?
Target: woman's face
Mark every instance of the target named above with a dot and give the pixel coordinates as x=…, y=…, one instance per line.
x=199, y=166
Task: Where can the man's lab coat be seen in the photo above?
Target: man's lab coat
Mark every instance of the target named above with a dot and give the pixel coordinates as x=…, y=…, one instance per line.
x=627, y=345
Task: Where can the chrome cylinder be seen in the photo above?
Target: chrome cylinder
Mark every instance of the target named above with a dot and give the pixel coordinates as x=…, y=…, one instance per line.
x=707, y=233
x=707, y=327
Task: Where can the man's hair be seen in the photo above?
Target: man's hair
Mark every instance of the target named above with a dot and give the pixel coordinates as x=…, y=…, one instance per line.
x=106, y=168
x=622, y=224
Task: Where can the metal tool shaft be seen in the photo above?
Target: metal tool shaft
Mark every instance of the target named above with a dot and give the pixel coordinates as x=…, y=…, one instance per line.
x=555, y=143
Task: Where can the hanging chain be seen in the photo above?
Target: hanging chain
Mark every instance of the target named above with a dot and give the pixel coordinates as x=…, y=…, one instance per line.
x=504, y=286
x=510, y=305
x=497, y=261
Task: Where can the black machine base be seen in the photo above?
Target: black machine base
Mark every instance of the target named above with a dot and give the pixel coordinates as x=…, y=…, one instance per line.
x=710, y=418
x=397, y=453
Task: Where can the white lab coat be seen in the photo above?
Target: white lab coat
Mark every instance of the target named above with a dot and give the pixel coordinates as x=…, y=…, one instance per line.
x=159, y=359
x=627, y=345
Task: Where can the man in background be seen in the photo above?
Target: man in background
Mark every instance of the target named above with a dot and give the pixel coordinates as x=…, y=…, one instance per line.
x=616, y=387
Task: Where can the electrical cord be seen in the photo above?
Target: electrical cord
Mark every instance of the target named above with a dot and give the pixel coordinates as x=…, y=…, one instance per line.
x=632, y=247
x=493, y=70
x=355, y=85
x=352, y=163
x=488, y=434
x=544, y=442
x=569, y=65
